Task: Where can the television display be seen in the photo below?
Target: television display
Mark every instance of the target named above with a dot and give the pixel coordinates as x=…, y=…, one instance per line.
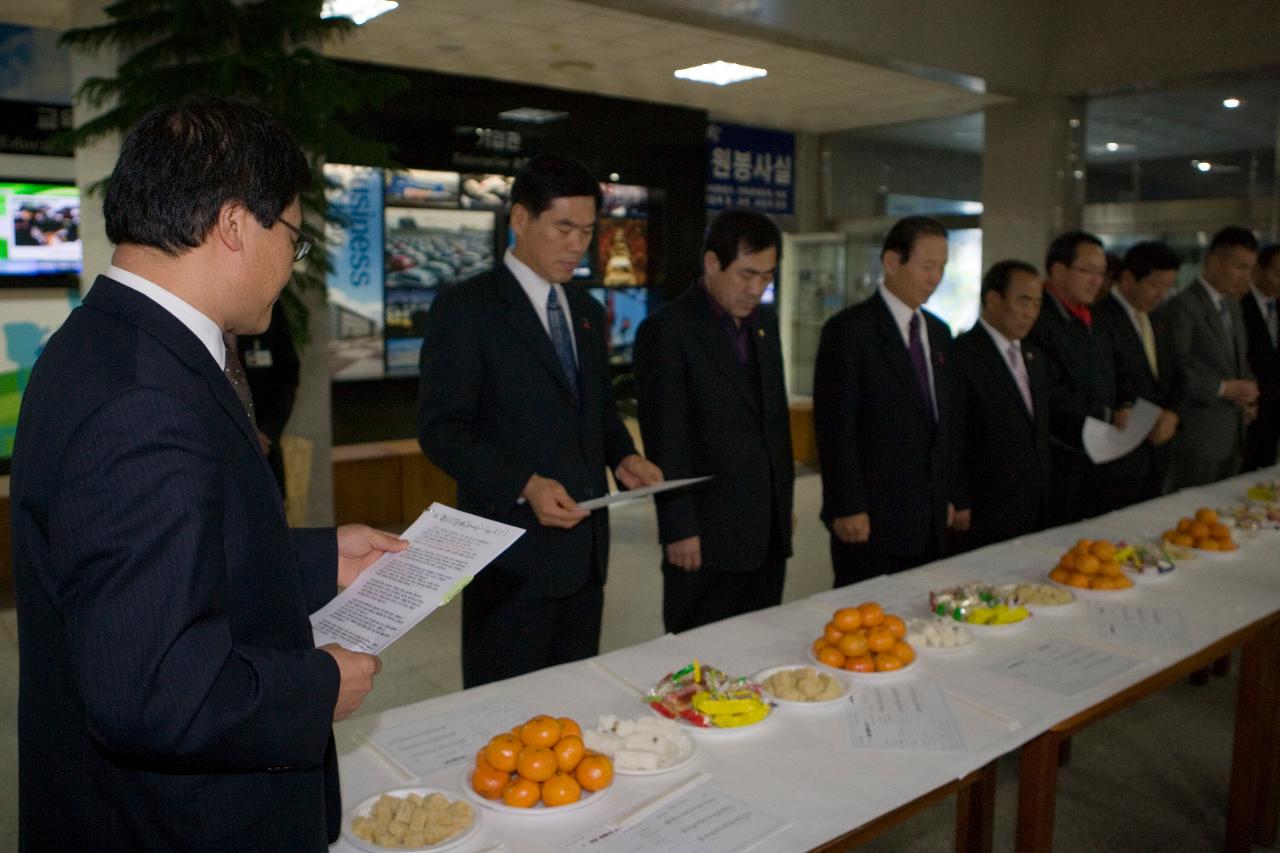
x=624, y=310
x=486, y=192
x=418, y=186
x=622, y=252
x=39, y=234
x=624, y=201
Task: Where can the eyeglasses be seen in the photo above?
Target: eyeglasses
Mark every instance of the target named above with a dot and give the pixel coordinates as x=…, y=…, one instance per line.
x=1090, y=271
x=301, y=245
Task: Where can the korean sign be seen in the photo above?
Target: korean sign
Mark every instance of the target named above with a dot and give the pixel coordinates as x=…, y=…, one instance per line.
x=750, y=167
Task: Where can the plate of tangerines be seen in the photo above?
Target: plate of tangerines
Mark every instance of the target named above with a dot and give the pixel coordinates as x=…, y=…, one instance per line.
x=864, y=642
x=540, y=767
x=1205, y=532
x=1091, y=566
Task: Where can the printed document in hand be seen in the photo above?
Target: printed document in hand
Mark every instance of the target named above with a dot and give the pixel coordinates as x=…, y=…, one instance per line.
x=632, y=494
x=1104, y=443
x=447, y=548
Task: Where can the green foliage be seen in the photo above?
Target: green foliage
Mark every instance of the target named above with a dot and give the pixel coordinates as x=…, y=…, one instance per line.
x=266, y=52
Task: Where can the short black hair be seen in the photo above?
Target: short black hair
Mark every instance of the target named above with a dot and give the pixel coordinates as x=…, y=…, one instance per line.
x=1231, y=237
x=548, y=177
x=186, y=159
x=904, y=233
x=997, y=278
x=1063, y=248
x=1150, y=256
x=736, y=231
x=1114, y=265
x=1267, y=254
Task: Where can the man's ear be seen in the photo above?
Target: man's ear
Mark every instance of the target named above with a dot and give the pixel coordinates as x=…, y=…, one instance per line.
x=229, y=227
x=520, y=217
x=891, y=261
x=710, y=263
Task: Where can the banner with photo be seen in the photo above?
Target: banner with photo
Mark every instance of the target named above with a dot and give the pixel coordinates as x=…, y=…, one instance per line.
x=355, y=281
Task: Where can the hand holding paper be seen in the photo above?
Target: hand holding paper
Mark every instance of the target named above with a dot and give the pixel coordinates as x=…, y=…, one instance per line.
x=1105, y=443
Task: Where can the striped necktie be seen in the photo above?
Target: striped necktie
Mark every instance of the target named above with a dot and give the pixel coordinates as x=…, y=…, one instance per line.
x=562, y=339
x=234, y=372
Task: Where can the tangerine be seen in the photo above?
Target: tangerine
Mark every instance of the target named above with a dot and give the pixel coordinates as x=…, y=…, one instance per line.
x=1068, y=561
x=522, y=793
x=561, y=790
x=872, y=614
x=860, y=664
x=541, y=731
x=1102, y=582
x=1083, y=546
x=1079, y=579
x=568, y=752
x=853, y=644
x=1184, y=540
x=1121, y=582
x=880, y=640
x=1088, y=564
x=1110, y=569
x=1207, y=544
x=902, y=651
x=1184, y=525
x=847, y=619
x=1227, y=545
x=594, y=773
x=1060, y=574
x=502, y=751
x=896, y=625
x=831, y=633
x=569, y=727
x=1219, y=531
x=1171, y=533
x=887, y=662
x=831, y=656
x=488, y=781
x=1204, y=515
x=536, y=763
x=819, y=644
x=1198, y=530
x=1103, y=550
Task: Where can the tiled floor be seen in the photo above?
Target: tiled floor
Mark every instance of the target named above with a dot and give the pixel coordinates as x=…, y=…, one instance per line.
x=1152, y=777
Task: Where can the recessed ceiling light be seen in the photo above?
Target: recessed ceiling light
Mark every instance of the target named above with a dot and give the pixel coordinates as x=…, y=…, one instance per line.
x=1202, y=165
x=720, y=73
x=359, y=11
x=1113, y=146
x=532, y=115
x=1231, y=103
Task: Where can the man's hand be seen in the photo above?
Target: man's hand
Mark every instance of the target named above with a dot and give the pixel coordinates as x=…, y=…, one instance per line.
x=264, y=441
x=359, y=545
x=1165, y=426
x=852, y=528
x=356, y=671
x=958, y=519
x=686, y=553
x=551, y=503
x=1250, y=413
x=1120, y=417
x=635, y=471
x=1242, y=392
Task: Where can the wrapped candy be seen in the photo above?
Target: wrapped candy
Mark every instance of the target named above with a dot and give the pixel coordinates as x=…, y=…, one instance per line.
x=706, y=697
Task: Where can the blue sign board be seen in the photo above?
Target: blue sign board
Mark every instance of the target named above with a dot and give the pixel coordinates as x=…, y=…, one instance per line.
x=750, y=167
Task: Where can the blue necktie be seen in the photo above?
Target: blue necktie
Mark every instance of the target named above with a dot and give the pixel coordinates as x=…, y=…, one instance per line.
x=562, y=340
x=917, y=360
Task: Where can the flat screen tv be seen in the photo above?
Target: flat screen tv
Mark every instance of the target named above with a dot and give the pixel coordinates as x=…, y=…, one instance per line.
x=40, y=242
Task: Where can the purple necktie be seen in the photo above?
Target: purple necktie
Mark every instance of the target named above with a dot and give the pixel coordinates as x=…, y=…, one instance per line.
x=1020, y=374
x=917, y=358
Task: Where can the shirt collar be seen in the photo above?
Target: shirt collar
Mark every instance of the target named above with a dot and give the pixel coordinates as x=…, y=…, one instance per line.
x=1213, y=294
x=1002, y=343
x=201, y=326
x=901, y=311
x=1261, y=298
x=721, y=315
x=535, y=285
x=1124, y=303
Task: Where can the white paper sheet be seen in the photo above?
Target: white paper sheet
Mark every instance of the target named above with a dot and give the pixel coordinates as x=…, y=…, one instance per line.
x=1139, y=623
x=910, y=715
x=632, y=494
x=1104, y=443
x=447, y=548
x=703, y=820
x=437, y=742
x=1062, y=667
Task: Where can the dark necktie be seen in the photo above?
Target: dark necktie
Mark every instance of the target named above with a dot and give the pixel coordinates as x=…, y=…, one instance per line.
x=917, y=359
x=562, y=340
x=235, y=375
x=1229, y=326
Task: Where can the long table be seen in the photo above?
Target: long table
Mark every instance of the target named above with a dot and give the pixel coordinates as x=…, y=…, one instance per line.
x=812, y=780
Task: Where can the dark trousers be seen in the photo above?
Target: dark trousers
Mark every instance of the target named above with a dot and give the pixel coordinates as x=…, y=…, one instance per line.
x=1069, y=471
x=1262, y=439
x=853, y=563
x=690, y=599
x=505, y=634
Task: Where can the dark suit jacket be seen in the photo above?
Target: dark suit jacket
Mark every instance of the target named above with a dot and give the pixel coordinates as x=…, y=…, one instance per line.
x=1134, y=380
x=878, y=449
x=1264, y=360
x=700, y=415
x=1002, y=451
x=1081, y=383
x=272, y=368
x=495, y=408
x=170, y=690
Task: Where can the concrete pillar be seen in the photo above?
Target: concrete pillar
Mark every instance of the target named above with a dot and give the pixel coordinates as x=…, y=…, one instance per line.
x=312, y=417
x=1032, y=176
x=808, y=183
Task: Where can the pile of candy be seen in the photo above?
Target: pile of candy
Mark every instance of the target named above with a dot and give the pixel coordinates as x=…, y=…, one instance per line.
x=976, y=604
x=707, y=698
x=1146, y=558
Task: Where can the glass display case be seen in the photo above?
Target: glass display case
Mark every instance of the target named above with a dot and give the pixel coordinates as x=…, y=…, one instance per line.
x=814, y=284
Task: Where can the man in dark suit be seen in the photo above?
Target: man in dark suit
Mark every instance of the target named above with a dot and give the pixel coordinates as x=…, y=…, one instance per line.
x=1218, y=396
x=517, y=406
x=171, y=697
x=1144, y=366
x=1001, y=425
x=272, y=368
x=882, y=413
x=1079, y=369
x=713, y=402
x=1262, y=328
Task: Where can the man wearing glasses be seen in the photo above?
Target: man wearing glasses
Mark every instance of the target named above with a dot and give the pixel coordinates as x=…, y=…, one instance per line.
x=1081, y=381
x=169, y=687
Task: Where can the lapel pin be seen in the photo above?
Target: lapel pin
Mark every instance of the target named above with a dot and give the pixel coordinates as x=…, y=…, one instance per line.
x=586, y=324
x=760, y=333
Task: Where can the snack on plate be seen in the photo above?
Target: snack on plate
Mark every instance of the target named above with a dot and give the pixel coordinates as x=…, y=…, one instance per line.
x=937, y=632
x=1146, y=558
x=864, y=639
x=1205, y=531
x=413, y=821
x=1091, y=565
x=1266, y=492
x=647, y=743
x=1251, y=516
x=1035, y=595
x=977, y=604
x=707, y=698
x=543, y=761
x=803, y=684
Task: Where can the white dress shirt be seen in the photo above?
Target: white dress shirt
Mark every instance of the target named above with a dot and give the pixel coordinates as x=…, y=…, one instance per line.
x=538, y=289
x=200, y=325
x=902, y=319
x=1129, y=310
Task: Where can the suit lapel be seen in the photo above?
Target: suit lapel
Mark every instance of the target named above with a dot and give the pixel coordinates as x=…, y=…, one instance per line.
x=524, y=320
x=1132, y=342
x=998, y=366
x=714, y=340
x=590, y=364
x=1213, y=319
x=895, y=353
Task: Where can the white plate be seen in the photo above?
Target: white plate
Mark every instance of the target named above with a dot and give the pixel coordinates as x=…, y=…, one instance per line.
x=1103, y=594
x=539, y=810
x=1149, y=577
x=1217, y=555
x=870, y=677
x=791, y=704
x=688, y=750
x=716, y=731
x=1056, y=609
x=365, y=807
